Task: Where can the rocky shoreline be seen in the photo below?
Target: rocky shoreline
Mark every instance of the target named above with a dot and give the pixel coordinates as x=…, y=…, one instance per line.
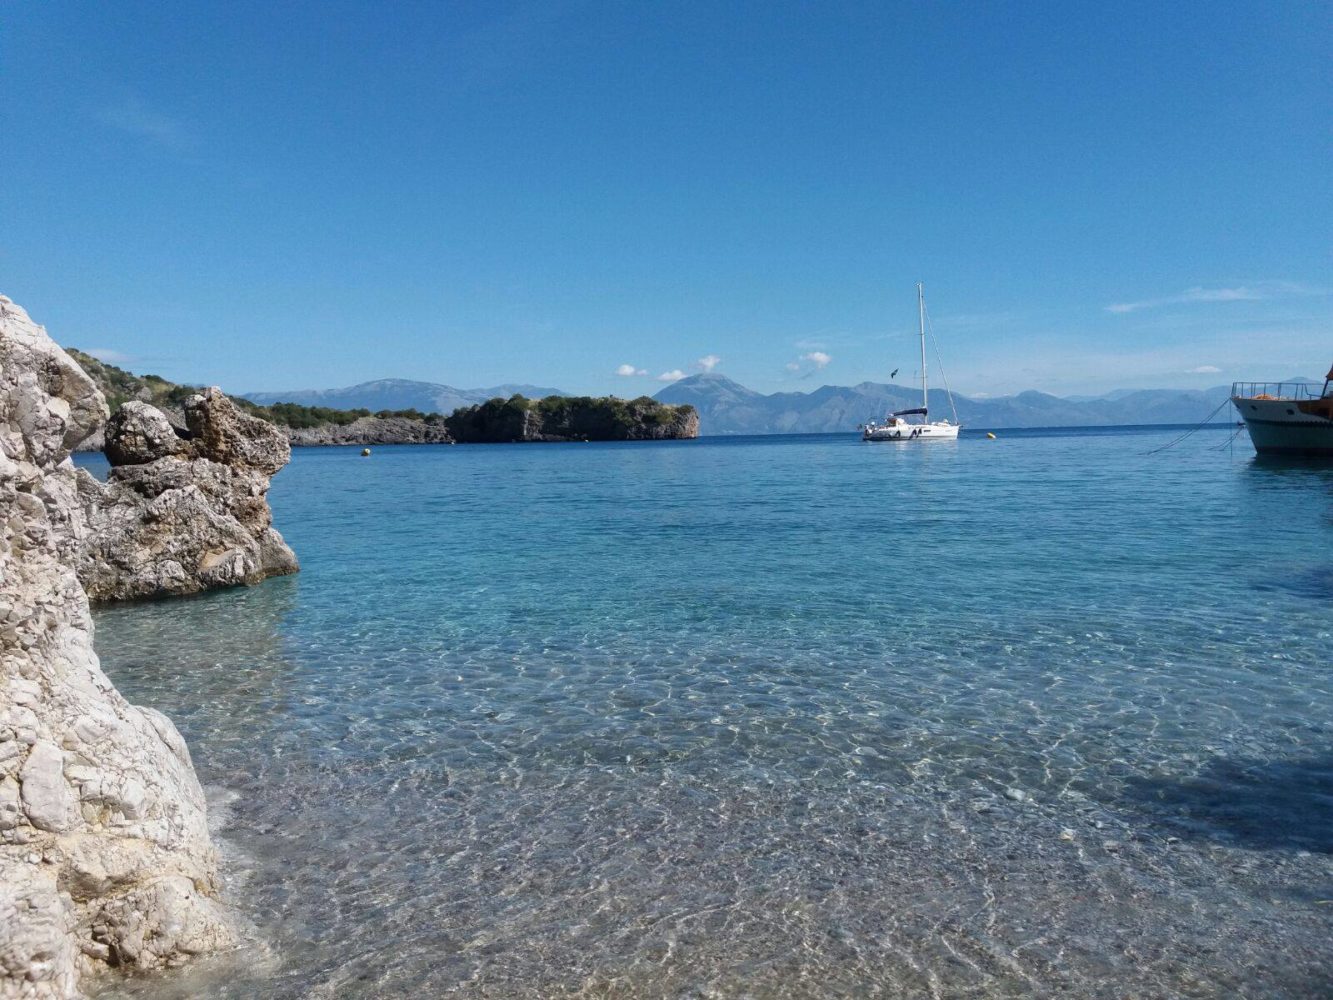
x=370, y=430
x=105, y=854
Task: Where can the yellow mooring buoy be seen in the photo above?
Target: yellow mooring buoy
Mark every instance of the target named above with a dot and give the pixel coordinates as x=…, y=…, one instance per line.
x=365, y=452
x=990, y=435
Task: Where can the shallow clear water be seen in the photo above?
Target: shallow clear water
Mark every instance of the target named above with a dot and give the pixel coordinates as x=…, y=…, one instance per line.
x=793, y=717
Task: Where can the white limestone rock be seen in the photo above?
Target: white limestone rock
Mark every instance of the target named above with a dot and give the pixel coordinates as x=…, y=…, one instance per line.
x=105, y=857
x=48, y=802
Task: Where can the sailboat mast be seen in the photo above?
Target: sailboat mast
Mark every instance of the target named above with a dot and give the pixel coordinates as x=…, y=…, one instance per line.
x=921, y=321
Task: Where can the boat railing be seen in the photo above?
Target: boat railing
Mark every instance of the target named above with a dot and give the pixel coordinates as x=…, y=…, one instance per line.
x=1276, y=390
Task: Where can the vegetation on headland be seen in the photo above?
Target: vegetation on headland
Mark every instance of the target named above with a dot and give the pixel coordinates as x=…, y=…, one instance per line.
x=571, y=418
x=553, y=418
x=297, y=416
x=120, y=386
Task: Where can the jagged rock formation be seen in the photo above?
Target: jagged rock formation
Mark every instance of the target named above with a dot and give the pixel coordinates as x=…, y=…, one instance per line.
x=372, y=430
x=572, y=418
x=183, y=511
x=104, y=850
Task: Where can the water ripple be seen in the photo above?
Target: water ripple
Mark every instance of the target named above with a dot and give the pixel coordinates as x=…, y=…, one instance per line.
x=777, y=718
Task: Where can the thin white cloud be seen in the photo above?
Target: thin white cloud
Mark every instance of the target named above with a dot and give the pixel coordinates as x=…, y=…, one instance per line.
x=106, y=354
x=708, y=362
x=1253, y=292
x=810, y=345
x=1203, y=370
x=135, y=118
x=675, y=375
x=1056, y=363
x=809, y=363
x=629, y=371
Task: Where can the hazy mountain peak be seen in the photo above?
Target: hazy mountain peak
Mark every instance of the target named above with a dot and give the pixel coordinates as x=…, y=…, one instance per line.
x=708, y=378
x=727, y=407
x=705, y=383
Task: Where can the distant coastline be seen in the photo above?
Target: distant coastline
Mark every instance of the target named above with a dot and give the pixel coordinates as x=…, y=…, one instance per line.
x=515, y=419
x=727, y=407
x=390, y=411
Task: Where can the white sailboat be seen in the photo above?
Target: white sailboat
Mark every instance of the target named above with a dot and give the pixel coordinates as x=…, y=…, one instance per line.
x=897, y=426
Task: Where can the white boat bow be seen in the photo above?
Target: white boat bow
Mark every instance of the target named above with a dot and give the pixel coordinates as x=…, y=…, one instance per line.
x=1287, y=418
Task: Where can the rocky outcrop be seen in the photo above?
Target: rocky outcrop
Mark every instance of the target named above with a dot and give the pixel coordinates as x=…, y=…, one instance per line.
x=96, y=441
x=572, y=418
x=182, y=510
x=105, y=857
x=372, y=430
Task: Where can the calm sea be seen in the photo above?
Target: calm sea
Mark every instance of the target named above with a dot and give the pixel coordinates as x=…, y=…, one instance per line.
x=770, y=717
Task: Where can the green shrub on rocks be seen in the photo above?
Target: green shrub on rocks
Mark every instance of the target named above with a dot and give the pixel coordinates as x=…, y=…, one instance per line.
x=571, y=418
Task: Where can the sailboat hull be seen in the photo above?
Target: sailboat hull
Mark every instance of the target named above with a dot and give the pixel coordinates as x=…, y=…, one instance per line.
x=910, y=432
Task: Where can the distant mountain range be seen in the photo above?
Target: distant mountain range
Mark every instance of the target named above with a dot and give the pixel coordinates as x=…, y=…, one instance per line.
x=399, y=394
x=727, y=407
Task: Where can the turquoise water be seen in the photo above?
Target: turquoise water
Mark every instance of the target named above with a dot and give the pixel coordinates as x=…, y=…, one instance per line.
x=766, y=717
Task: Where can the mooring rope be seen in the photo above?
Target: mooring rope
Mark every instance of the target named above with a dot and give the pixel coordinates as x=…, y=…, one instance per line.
x=1232, y=439
x=1172, y=444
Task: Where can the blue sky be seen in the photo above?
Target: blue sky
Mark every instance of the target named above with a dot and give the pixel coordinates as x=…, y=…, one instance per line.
x=272, y=196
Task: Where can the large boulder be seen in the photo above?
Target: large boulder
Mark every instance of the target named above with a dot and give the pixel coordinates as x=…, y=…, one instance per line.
x=105, y=857
x=138, y=433
x=183, y=512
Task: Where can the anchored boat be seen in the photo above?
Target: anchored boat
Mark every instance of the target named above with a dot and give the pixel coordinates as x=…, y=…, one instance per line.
x=1287, y=418
x=897, y=426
